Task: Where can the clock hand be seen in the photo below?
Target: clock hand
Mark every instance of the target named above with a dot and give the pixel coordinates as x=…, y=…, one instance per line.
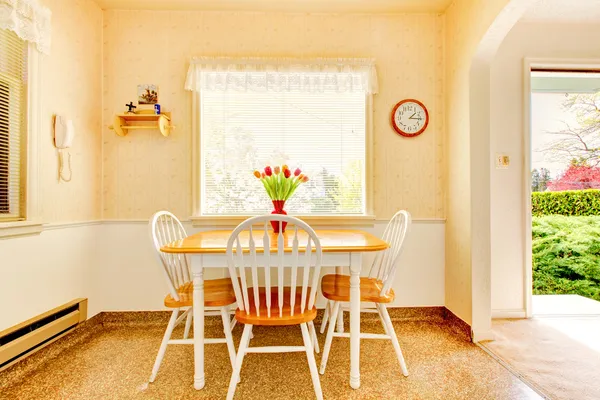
x=411, y=117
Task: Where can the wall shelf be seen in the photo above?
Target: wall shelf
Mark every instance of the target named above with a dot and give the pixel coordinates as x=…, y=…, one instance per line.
x=162, y=122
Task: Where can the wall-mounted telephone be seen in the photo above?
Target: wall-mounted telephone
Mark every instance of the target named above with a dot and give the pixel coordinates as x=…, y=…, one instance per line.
x=64, y=132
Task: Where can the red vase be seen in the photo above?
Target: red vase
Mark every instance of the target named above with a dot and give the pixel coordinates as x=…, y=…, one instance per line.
x=278, y=205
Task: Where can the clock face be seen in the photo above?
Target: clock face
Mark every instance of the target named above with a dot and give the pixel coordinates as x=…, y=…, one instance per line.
x=410, y=118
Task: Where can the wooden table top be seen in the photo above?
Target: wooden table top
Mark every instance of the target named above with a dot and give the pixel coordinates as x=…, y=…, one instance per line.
x=332, y=241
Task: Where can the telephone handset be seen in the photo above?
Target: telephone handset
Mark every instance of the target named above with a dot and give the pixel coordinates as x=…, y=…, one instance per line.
x=64, y=132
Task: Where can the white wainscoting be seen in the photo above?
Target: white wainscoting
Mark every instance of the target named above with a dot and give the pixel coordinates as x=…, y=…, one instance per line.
x=112, y=264
x=129, y=277
x=41, y=272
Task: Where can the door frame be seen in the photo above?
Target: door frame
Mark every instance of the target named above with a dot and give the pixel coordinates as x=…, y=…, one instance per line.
x=528, y=64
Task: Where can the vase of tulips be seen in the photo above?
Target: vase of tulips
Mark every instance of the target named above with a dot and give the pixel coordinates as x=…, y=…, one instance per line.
x=280, y=184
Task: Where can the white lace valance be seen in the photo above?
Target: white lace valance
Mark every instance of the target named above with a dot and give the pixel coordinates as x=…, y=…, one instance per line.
x=29, y=20
x=282, y=74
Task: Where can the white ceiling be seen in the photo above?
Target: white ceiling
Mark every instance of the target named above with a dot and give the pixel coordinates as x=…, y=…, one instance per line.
x=329, y=6
x=584, y=11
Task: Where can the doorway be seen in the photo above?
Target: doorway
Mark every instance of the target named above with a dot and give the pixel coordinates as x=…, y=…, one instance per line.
x=565, y=192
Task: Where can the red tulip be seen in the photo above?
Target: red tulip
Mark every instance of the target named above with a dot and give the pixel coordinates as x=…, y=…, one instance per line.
x=297, y=172
x=268, y=171
x=287, y=173
x=262, y=175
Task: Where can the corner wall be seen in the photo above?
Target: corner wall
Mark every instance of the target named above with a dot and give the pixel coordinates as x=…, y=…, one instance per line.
x=70, y=85
x=467, y=21
x=41, y=272
x=475, y=30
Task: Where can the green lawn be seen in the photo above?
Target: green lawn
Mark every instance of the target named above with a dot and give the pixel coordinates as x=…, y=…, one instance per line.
x=566, y=255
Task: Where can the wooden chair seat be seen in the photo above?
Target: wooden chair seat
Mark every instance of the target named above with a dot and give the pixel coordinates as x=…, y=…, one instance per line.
x=275, y=320
x=217, y=293
x=336, y=287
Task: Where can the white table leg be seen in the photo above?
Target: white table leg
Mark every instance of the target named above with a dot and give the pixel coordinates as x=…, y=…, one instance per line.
x=340, y=318
x=198, y=275
x=355, y=268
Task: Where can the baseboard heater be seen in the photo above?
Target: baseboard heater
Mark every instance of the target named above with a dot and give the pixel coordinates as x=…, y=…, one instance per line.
x=32, y=335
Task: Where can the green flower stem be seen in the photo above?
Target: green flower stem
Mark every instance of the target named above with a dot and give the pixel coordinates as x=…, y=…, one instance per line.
x=278, y=187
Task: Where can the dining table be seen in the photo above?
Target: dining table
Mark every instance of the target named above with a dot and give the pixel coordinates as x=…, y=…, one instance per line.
x=341, y=248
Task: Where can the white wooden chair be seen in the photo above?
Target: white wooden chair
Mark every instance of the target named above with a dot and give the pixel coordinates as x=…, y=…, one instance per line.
x=275, y=304
x=218, y=293
x=376, y=288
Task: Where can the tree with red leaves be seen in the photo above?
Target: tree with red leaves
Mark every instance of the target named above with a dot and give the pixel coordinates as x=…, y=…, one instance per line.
x=579, y=176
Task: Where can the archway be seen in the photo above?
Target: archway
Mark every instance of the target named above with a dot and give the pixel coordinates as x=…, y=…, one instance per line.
x=475, y=30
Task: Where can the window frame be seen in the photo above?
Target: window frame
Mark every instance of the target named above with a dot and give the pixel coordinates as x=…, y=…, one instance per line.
x=30, y=224
x=367, y=219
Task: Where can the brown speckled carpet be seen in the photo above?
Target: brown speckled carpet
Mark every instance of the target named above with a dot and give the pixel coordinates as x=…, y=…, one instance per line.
x=114, y=362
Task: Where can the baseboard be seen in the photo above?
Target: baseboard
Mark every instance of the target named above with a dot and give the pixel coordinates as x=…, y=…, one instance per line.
x=483, y=335
x=509, y=314
x=136, y=318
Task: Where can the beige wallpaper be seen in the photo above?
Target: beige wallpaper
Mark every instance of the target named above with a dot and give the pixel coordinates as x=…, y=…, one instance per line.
x=70, y=80
x=144, y=172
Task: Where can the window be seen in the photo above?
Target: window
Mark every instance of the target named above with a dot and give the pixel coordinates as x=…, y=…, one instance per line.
x=322, y=131
x=13, y=107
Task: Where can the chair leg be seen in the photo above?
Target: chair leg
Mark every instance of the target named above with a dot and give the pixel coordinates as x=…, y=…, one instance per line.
x=392, y=334
x=329, y=338
x=313, y=334
x=232, y=312
x=188, y=325
x=238, y=362
x=250, y=336
x=325, y=317
x=312, y=364
x=228, y=336
x=340, y=320
x=163, y=345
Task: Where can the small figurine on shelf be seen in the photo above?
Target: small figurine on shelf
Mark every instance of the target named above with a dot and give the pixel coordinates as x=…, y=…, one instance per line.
x=131, y=107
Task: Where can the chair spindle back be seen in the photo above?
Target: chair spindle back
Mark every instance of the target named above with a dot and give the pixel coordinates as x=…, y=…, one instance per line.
x=254, y=236
x=384, y=266
x=164, y=229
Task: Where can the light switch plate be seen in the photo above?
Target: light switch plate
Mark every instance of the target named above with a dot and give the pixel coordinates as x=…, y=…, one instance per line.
x=502, y=161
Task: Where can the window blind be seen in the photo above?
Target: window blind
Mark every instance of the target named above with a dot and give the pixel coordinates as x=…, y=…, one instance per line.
x=13, y=87
x=320, y=132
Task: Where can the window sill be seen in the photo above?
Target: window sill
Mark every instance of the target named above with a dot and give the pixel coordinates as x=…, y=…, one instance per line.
x=19, y=228
x=313, y=220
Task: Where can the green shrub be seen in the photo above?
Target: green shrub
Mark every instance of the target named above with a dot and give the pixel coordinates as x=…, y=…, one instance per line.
x=569, y=202
x=566, y=255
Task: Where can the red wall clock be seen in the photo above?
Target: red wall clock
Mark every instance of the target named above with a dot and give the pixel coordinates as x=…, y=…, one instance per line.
x=410, y=118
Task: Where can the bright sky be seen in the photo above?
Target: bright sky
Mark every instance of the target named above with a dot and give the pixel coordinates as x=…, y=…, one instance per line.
x=547, y=116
